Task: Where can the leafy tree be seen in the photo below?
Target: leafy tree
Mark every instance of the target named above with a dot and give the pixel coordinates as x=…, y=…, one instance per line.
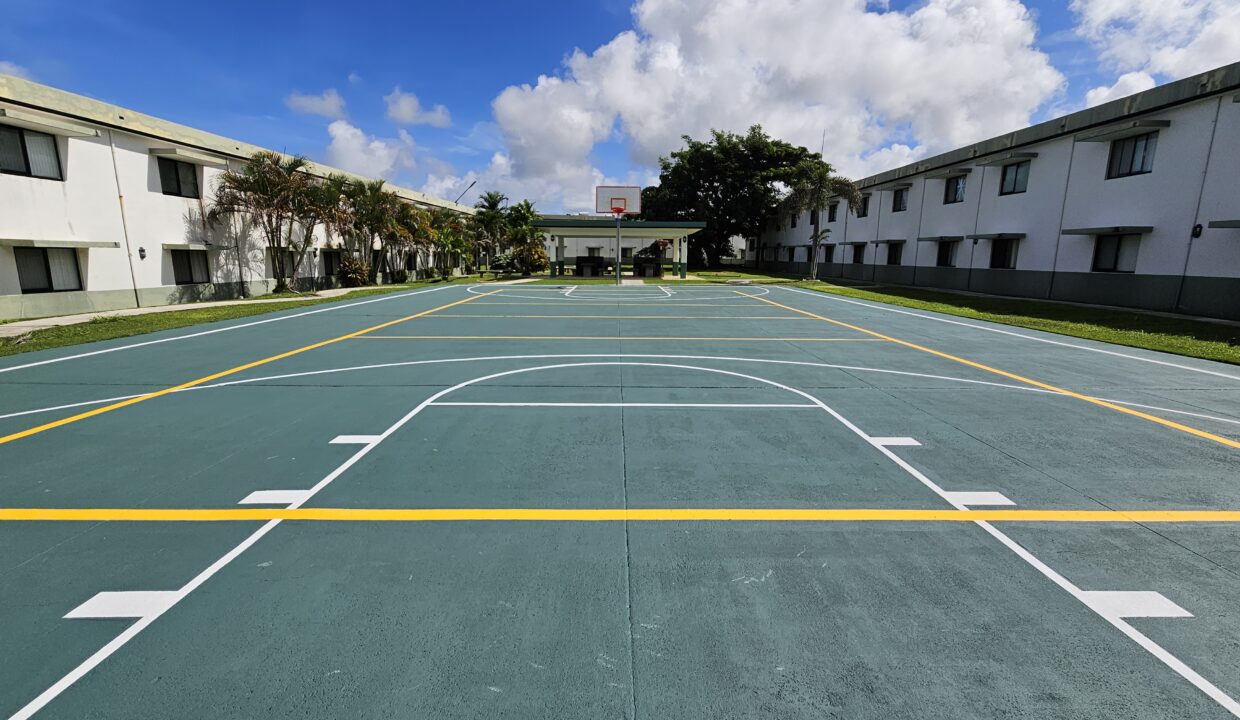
x=374, y=211
x=315, y=202
x=813, y=185
x=525, y=240
x=264, y=192
x=733, y=182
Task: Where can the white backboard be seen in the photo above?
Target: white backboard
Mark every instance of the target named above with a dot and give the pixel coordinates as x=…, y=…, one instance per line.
x=609, y=197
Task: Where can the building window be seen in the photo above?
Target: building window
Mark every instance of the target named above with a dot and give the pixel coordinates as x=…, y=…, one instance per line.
x=626, y=252
x=331, y=263
x=899, y=200
x=289, y=262
x=813, y=217
x=828, y=253
x=947, y=253
x=41, y=270
x=594, y=252
x=1132, y=156
x=953, y=190
x=178, y=178
x=1003, y=253
x=749, y=245
x=894, y=252
x=792, y=221
x=1116, y=253
x=865, y=206
x=1015, y=178
x=29, y=153
x=189, y=267
x=858, y=255
x=832, y=210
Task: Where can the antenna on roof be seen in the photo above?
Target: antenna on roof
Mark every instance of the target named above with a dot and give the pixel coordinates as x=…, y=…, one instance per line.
x=458, y=197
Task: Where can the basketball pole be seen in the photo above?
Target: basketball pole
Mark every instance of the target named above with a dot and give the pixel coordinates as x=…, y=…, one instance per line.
x=618, y=216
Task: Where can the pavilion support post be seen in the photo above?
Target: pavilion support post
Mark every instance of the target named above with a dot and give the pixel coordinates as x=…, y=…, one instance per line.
x=676, y=257
x=684, y=256
x=559, y=252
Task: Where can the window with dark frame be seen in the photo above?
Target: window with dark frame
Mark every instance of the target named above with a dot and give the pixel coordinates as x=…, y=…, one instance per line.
x=953, y=189
x=1003, y=253
x=45, y=270
x=1116, y=253
x=832, y=209
x=947, y=253
x=864, y=210
x=899, y=200
x=813, y=217
x=189, y=267
x=858, y=254
x=594, y=252
x=29, y=153
x=1015, y=178
x=289, y=261
x=1132, y=156
x=828, y=253
x=792, y=221
x=178, y=178
x=894, y=252
x=331, y=263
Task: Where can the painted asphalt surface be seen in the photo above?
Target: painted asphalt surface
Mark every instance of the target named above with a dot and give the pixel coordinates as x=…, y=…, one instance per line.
x=697, y=397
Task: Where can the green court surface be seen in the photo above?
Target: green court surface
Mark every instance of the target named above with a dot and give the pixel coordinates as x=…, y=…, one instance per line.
x=600, y=502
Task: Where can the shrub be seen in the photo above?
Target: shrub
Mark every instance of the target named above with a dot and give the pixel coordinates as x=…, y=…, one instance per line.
x=354, y=272
x=532, y=258
x=399, y=277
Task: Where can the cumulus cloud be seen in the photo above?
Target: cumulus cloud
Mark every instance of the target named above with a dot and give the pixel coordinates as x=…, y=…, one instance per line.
x=12, y=68
x=353, y=150
x=886, y=86
x=404, y=109
x=328, y=104
x=1169, y=39
x=1127, y=84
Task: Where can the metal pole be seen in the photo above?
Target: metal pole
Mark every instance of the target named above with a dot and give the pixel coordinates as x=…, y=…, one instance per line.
x=618, y=216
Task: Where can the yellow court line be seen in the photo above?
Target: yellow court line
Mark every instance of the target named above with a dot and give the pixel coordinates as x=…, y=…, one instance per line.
x=567, y=304
x=224, y=373
x=1020, y=378
x=606, y=337
x=610, y=515
x=626, y=317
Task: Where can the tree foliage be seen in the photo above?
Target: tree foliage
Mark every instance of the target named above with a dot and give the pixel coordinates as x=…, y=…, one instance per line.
x=735, y=183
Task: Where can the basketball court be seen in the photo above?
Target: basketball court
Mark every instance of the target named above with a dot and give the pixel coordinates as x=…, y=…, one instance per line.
x=650, y=502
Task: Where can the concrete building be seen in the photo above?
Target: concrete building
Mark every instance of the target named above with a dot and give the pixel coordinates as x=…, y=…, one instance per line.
x=1134, y=203
x=103, y=208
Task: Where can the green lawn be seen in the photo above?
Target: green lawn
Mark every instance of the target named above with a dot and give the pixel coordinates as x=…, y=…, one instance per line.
x=108, y=328
x=1181, y=336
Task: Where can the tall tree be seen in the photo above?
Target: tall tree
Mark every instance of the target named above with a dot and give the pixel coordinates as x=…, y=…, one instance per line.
x=732, y=182
x=374, y=212
x=490, y=222
x=812, y=187
x=264, y=191
x=525, y=239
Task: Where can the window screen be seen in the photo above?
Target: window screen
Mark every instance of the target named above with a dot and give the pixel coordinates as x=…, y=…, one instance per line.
x=178, y=178
x=47, y=269
x=894, y=252
x=189, y=267
x=1015, y=178
x=947, y=253
x=1002, y=253
x=1116, y=253
x=953, y=191
x=899, y=200
x=1132, y=156
x=25, y=152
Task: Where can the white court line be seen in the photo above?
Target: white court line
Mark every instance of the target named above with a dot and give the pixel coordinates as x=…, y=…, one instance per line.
x=274, y=497
x=623, y=405
x=897, y=442
x=876, y=306
x=978, y=499
x=381, y=366
x=1158, y=651
x=1133, y=603
x=623, y=294
x=145, y=343
x=355, y=440
x=123, y=604
x=570, y=290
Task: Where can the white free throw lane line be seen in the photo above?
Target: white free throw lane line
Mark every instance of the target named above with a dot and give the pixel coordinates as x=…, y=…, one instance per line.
x=356, y=439
x=329, y=308
x=876, y=306
x=623, y=405
x=641, y=294
x=126, y=604
x=1132, y=604
x=896, y=442
x=977, y=499
x=276, y=497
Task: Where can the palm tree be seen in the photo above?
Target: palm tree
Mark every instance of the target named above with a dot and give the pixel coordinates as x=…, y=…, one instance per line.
x=411, y=232
x=490, y=222
x=264, y=191
x=317, y=202
x=525, y=239
x=450, y=237
x=374, y=211
x=814, y=184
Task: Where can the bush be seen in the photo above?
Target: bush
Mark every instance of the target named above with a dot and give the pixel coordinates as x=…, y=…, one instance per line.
x=354, y=272
x=399, y=277
x=532, y=258
x=503, y=263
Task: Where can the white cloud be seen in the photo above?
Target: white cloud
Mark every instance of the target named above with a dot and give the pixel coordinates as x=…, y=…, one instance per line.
x=12, y=68
x=886, y=86
x=404, y=109
x=353, y=150
x=329, y=104
x=1127, y=84
x=1169, y=39
x=355, y=79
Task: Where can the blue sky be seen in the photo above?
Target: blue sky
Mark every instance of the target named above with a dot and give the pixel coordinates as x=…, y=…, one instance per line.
x=231, y=67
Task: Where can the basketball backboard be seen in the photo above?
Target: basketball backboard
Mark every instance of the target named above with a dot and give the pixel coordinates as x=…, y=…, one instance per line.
x=612, y=199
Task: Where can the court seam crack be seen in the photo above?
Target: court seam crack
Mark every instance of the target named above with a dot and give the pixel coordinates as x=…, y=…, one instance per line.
x=628, y=554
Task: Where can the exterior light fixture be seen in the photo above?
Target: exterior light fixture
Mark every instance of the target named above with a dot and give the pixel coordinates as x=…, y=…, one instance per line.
x=141, y=253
